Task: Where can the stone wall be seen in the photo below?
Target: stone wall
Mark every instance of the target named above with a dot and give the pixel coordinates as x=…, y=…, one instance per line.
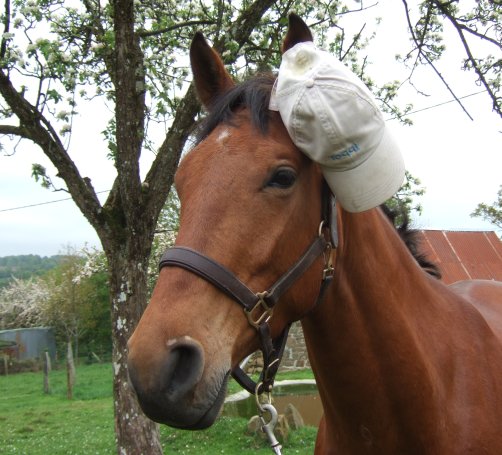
x=295, y=353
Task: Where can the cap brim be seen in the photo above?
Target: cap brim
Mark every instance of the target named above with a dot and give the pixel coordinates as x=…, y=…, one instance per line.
x=372, y=182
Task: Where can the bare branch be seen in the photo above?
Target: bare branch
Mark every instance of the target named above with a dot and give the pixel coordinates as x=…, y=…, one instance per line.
x=354, y=42
x=361, y=8
x=457, y=23
x=161, y=31
x=34, y=126
x=419, y=45
x=11, y=130
x=476, y=33
x=459, y=28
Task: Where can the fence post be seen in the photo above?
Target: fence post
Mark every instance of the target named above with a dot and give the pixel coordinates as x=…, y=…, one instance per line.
x=47, y=370
x=6, y=364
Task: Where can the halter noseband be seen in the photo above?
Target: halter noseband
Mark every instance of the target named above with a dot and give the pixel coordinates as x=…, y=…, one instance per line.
x=259, y=306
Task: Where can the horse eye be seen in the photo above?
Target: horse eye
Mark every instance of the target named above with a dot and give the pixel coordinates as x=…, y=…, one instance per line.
x=282, y=178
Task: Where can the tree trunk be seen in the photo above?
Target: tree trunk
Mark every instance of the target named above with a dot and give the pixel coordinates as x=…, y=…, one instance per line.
x=135, y=433
x=129, y=246
x=70, y=371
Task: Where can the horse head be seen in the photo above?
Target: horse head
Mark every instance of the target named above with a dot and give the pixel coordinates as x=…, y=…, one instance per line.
x=251, y=201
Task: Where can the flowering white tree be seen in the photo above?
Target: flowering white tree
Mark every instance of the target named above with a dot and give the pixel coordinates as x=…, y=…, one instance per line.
x=62, y=298
x=22, y=303
x=94, y=261
x=67, y=303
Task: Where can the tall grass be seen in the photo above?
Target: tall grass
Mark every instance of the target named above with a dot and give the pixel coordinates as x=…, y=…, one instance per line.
x=33, y=423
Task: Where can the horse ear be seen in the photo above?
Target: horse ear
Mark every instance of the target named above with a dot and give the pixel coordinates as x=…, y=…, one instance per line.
x=298, y=32
x=209, y=74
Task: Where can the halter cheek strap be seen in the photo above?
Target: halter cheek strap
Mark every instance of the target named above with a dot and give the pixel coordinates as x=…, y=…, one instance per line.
x=258, y=307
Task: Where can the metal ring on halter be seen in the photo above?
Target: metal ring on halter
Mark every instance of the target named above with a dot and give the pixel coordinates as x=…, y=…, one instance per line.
x=257, y=397
x=321, y=227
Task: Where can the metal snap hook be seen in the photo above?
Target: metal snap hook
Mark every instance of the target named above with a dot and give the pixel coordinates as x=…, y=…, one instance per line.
x=268, y=427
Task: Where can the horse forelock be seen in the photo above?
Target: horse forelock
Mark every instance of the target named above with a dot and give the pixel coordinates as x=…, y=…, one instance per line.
x=252, y=94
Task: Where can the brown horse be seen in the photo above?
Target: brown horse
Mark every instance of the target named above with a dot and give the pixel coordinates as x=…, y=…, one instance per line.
x=403, y=363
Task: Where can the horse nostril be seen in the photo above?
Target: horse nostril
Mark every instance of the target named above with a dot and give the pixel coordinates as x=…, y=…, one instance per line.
x=183, y=368
x=165, y=384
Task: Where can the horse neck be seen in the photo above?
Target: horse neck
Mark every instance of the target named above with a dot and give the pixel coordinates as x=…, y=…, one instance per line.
x=364, y=339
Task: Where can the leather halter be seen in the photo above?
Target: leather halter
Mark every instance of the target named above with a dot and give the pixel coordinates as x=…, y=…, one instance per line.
x=259, y=306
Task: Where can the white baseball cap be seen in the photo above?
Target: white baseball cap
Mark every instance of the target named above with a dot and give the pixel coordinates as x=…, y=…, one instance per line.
x=332, y=117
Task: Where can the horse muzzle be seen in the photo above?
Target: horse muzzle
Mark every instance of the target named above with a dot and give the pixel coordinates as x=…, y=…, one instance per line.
x=167, y=386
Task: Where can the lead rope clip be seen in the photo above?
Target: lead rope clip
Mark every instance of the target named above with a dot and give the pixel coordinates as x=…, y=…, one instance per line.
x=268, y=427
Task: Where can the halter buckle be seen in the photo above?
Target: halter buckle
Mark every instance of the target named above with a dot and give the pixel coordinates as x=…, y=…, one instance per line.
x=267, y=311
x=329, y=270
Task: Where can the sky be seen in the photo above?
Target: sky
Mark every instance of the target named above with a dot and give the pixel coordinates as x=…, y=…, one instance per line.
x=458, y=160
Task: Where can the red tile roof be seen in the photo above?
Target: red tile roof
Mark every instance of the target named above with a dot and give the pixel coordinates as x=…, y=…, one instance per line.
x=464, y=255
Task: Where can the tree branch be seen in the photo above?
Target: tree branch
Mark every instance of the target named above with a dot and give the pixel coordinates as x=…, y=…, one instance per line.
x=161, y=31
x=95, y=13
x=358, y=10
x=459, y=28
x=10, y=130
x=34, y=126
x=429, y=61
x=354, y=41
x=245, y=24
x=443, y=7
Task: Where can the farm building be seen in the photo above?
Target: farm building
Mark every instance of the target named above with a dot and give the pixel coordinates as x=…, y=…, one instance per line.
x=23, y=344
x=464, y=255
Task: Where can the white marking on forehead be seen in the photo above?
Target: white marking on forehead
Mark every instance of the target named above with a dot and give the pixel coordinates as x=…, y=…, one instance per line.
x=223, y=135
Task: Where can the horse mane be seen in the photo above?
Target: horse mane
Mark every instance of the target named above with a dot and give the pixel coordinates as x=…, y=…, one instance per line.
x=410, y=237
x=254, y=94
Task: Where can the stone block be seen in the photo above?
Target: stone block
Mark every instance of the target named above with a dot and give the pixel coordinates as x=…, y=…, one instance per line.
x=293, y=417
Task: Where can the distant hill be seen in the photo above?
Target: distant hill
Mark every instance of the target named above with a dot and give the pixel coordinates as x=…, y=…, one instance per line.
x=25, y=266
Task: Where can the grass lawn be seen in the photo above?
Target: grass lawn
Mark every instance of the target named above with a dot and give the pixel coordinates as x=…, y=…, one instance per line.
x=33, y=423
